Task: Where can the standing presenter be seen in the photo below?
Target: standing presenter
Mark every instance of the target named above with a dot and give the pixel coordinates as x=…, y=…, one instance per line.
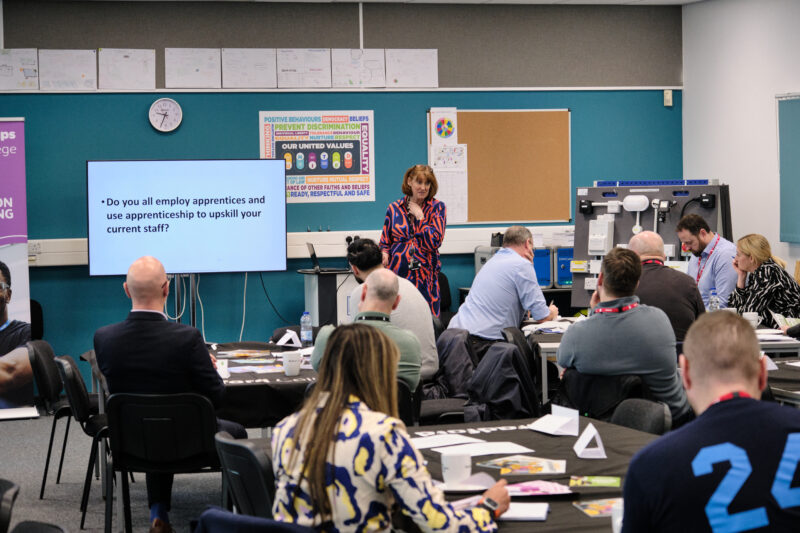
x=413, y=232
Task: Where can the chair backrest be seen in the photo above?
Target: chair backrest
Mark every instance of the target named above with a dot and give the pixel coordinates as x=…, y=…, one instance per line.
x=216, y=520
x=75, y=388
x=405, y=403
x=97, y=374
x=8, y=495
x=644, y=415
x=37, y=320
x=438, y=326
x=597, y=396
x=457, y=361
x=445, y=299
x=248, y=471
x=162, y=432
x=45, y=370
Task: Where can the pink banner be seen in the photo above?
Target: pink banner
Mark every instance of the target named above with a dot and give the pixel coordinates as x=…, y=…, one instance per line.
x=13, y=213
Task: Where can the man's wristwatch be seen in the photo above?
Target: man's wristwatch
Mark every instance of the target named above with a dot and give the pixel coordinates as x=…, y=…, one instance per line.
x=490, y=505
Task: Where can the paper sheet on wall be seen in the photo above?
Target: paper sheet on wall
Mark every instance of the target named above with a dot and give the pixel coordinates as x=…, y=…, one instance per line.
x=453, y=191
x=448, y=157
x=412, y=67
x=68, y=70
x=358, y=67
x=19, y=69
x=192, y=68
x=249, y=68
x=126, y=68
x=304, y=67
x=443, y=125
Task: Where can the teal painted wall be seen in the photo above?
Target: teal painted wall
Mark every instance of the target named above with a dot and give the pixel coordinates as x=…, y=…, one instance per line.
x=615, y=134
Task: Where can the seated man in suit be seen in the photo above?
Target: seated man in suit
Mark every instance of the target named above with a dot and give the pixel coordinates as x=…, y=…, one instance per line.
x=504, y=289
x=660, y=286
x=147, y=354
x=412, y=312
x=731, y=469
x=379, y=297
x=623, y=336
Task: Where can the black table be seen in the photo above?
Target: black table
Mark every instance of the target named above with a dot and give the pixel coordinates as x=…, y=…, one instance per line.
x=260, y=400
x=785, y=382
x=620, y=444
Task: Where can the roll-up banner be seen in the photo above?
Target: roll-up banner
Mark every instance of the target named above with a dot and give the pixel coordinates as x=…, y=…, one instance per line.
x=16, y=384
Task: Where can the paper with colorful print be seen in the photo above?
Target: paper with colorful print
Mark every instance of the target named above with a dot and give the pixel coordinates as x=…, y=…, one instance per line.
x=597, y=508
x=537, y=488
x=525, y=464
x=594, y=481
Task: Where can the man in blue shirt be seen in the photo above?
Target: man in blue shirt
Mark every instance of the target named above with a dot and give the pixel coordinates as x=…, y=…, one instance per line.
x=502, y=291
x=713, y=267
x=733, y=467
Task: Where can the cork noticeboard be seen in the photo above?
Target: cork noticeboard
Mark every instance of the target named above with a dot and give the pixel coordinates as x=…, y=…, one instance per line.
x=518, y=164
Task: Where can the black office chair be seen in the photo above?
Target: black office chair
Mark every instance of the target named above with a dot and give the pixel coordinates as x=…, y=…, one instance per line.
x=438, y=326
x=445, y=300
x=94, y=425
x=37, y=321
x=405, y=403
x=247, y=470
x=216, y=520
x=530, y=359
x=167, y=433
x=597, y=396
x=8, y=495
x=644, y=415
x=48, y=381
x=29, y=526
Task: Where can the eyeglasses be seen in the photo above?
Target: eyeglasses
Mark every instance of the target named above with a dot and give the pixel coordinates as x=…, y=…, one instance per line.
x=4, y=286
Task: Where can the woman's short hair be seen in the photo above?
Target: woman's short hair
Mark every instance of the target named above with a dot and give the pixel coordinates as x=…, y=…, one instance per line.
x=757, y=248
x=420, y=171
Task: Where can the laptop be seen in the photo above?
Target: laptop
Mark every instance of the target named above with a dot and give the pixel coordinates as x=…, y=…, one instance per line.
x=315, y=261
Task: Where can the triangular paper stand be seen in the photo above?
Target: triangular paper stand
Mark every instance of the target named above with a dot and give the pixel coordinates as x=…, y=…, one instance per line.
x=581, y=445
x=290, y=337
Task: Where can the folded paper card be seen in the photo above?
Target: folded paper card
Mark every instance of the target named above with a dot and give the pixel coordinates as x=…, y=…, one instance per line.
x=581, y=445
x=561, y=421
x=290, y=338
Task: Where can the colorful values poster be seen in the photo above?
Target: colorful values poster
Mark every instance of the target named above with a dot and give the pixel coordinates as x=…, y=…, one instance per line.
x=16, y=385
x=329, y=155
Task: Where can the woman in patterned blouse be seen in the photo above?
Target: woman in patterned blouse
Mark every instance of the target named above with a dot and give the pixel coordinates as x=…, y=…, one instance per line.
x=763, y=284
x=413, y=231
x=341, y=464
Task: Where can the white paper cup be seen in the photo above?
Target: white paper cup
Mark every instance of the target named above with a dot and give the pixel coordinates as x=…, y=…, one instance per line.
x=616, y=517
x=752, y=317
x=456, y=467
x=291, y=363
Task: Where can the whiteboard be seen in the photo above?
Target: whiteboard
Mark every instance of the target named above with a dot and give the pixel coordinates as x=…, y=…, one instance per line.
x=126, y=68
x=19, y=69
x=68, y=70
x=358, y=67
x=304, y=67
x=192, y=68
x=249, y=68
x=407, y=67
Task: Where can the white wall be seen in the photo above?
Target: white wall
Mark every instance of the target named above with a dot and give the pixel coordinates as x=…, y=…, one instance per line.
x=737, y=55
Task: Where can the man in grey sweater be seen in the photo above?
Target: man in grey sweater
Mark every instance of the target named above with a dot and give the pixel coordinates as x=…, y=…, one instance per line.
x=623, y=336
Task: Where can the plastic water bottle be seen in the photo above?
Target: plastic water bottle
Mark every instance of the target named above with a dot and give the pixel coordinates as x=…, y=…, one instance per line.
x=713, y=300
x=306, y=335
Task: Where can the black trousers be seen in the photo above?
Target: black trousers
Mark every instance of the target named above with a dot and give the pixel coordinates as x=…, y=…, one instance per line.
x=159, y=485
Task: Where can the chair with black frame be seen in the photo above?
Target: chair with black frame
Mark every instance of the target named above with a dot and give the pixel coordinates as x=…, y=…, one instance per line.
x=94, y=425
x=48, y=381
x=531, y=359
x=247, y=470
x=8, y=495
x=216, y=520
x=438, y=326
x=158, y=433
x=597, y=396
x=445, y=300
x=644, y=415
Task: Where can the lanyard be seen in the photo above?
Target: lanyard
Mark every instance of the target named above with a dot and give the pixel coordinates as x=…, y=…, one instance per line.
x=699, y=268
x=653, y=261
x=381, y=318
x=4, y=326
x=616, y=309
x=731, y=396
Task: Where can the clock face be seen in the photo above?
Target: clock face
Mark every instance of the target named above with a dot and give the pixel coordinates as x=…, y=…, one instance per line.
x=165, y=114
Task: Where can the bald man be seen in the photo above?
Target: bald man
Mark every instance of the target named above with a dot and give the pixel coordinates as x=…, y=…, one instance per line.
x=660, y=286
x=148, y=354
x=379, y=297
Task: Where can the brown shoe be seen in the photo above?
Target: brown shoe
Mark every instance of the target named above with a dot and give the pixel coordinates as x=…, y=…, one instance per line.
x=159, y=526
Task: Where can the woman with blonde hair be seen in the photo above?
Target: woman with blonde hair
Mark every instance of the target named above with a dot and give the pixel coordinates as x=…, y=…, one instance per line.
x=344, y=460
x=763, y=285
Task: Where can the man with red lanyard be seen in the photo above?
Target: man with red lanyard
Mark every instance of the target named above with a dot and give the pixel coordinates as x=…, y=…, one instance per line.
x=712, y=265
x=623, y=336
x=732, y=468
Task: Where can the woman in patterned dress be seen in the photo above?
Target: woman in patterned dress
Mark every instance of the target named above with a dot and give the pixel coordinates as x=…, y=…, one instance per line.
x=413, y=231
x=763, y=284
x=344, y=460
